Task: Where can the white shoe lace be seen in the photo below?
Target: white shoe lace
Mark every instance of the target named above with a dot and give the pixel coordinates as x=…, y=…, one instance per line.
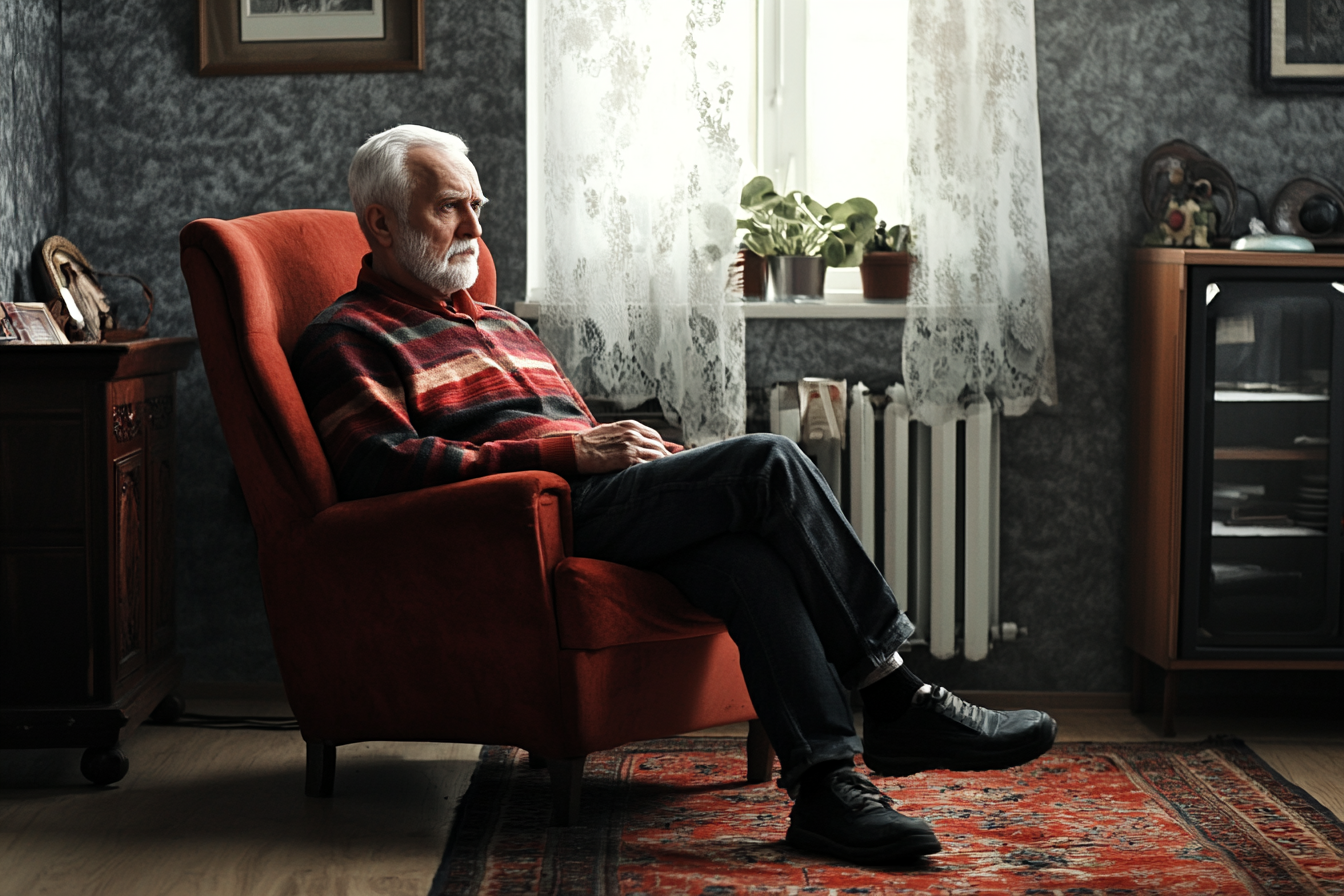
x=949, y=705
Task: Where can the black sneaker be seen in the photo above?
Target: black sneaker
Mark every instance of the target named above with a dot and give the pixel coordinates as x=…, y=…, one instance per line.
x=940, y=730
x=845, y=816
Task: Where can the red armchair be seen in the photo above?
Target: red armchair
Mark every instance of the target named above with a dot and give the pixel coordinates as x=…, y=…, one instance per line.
x=450, y=614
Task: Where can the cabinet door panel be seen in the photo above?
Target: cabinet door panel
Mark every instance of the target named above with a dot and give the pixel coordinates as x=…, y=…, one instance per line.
x=128, y=564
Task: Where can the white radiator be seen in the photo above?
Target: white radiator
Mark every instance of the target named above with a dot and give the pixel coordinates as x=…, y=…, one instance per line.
x=921, y=495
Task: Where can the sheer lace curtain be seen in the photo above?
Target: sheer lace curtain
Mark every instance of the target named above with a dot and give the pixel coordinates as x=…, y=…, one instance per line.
x=979, y=307
x=641, y=179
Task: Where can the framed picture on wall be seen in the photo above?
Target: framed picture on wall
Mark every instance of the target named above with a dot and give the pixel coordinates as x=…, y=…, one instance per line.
x=268, y=37
x=1298, y=45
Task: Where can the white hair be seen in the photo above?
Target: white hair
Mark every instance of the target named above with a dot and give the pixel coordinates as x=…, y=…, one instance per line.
x=378, y=173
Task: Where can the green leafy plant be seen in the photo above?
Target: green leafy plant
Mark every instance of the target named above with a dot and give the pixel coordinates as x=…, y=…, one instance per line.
x=796, y=224
x=889, y=239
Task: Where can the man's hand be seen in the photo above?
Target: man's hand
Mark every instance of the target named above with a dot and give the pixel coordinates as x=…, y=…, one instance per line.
x=615, y=446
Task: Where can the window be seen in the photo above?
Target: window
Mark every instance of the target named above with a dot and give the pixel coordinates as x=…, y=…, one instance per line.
x=830, y=111
x=828, y=117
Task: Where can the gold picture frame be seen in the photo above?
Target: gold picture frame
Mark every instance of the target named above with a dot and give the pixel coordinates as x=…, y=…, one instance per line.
x=222, y=50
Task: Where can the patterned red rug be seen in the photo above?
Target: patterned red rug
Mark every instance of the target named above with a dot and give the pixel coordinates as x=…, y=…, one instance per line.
x=675, y=816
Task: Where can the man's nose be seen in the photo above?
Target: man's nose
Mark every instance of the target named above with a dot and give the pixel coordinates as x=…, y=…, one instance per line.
x=470, y=226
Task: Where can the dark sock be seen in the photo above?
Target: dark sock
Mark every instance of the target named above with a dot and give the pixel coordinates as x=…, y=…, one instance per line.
x=822, y=769
x=889, y=697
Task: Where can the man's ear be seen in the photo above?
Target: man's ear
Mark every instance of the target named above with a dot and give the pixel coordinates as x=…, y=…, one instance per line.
x=378, y=224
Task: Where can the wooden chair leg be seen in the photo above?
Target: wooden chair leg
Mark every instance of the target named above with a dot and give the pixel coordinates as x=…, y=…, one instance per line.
x=1169, y=703
x=566, y=788
x=760, y=754
x=321, y=776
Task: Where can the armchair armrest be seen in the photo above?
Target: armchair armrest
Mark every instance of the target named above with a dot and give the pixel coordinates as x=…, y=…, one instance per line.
x=452, y=583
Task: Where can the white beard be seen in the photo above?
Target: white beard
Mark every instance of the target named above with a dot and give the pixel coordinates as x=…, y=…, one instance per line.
x=457, y=269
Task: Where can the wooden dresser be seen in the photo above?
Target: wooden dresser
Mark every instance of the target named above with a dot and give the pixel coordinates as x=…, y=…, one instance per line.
x=86, y=544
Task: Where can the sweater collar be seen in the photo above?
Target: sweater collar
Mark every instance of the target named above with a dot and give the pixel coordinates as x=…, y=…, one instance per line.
x=462, y=301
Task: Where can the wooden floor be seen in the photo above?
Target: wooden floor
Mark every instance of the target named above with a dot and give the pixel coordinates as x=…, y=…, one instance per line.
x=223, y=812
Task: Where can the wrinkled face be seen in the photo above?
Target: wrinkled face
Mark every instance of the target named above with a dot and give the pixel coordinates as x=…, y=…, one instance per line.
x=436, y=243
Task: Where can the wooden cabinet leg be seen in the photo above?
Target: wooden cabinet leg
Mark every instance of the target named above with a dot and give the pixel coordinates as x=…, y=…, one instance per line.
x=566, y=788
x=321, y=778
x=1169, y=677
x=104, y=765
x=760, y=754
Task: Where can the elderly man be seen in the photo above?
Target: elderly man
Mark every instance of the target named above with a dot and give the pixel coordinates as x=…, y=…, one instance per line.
x=411, y=383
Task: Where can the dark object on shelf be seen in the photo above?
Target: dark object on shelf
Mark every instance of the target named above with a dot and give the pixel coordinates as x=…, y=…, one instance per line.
x=885, y=275
x=1311, y=207
x=1189, y=197
x=77, y=301
x=1310, y=56
x=86, y=603
x=397, y=45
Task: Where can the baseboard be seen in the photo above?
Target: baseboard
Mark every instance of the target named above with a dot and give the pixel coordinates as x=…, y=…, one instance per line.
x=1048, y=700
x=1044, y=700
x=232, y=690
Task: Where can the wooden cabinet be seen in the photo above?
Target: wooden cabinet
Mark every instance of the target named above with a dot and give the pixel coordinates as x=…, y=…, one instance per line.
x=1236, y=463
x=86, y=543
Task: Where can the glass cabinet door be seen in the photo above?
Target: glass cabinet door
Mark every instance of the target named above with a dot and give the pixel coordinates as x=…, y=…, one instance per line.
x=1262, y=552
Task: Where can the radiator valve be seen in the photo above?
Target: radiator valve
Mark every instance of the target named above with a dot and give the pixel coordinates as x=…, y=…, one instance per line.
x=1007, y=631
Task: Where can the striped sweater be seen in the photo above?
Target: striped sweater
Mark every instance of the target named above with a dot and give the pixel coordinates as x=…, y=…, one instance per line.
x=407, y=392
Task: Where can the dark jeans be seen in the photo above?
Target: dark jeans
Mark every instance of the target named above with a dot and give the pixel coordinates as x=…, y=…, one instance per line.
x=749, y=531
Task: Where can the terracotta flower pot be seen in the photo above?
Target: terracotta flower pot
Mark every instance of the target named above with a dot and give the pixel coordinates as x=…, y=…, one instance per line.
x=885, y=275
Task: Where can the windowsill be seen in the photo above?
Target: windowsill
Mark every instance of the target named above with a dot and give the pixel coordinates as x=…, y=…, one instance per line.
x=838, y=306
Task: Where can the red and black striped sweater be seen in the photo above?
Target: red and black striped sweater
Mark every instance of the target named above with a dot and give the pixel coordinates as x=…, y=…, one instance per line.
x=406, y=392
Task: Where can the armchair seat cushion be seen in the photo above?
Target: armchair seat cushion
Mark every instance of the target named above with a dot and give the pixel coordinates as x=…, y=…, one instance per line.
x=600, y=604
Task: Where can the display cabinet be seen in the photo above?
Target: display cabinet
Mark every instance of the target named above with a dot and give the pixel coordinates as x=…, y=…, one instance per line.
x=87, y=474
x=1236, y=480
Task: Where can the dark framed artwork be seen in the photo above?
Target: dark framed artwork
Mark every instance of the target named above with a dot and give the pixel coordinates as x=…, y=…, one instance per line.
x=1298, y=45
x=269, y=37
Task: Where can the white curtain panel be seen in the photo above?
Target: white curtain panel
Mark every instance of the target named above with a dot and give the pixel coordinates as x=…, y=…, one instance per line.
x=642, y=179
x=979, y=306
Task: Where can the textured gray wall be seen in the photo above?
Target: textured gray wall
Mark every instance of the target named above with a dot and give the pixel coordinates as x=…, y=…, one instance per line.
x=30, y=115
x=1114, y=81
x=149, y=146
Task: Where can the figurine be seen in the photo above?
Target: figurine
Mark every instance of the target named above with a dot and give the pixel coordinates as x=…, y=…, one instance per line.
x=1182, y=188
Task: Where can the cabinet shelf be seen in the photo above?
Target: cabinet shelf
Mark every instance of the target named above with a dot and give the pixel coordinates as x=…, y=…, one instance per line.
x=1240, y=395
x=1269, y=454
x=1222, y=530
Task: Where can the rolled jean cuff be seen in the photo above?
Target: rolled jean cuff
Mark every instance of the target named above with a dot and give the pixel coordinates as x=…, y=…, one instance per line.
x=880, y=650
x=794, y=766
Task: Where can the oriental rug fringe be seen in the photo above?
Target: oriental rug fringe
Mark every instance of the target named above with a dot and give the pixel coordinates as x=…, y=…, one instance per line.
x=675, y=816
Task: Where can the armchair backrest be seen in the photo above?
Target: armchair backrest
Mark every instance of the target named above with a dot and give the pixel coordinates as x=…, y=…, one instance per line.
x=255, y=283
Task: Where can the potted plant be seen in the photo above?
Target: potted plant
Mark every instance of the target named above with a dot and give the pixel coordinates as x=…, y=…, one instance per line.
x=801, y=238
x=885, y=269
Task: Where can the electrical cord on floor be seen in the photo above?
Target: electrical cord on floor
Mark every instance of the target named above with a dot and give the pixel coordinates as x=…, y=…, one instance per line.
x=251, y=723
